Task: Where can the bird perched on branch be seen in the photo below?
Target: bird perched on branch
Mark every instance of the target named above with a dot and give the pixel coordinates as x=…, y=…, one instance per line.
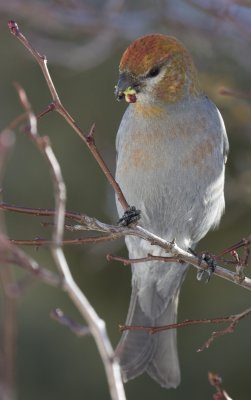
x=171, y=154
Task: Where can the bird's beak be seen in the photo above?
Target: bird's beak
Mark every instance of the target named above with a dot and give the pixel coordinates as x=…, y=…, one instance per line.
x=126, y=88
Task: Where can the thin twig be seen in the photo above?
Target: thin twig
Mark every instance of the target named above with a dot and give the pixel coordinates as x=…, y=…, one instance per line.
x=232, y=321
x=39, y=212
x=150, y=257
x=242, y=243
x=58, y=106
x=60, y=317
x=38, y=242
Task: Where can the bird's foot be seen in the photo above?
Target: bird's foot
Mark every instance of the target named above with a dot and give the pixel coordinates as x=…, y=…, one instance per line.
x=205, y=273
x=130, y=216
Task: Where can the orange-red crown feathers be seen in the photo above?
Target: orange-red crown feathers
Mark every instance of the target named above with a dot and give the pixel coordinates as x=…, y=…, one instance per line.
x=143, y=53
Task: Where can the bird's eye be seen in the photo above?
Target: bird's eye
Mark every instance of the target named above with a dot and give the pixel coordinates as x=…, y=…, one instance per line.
x=153, y=72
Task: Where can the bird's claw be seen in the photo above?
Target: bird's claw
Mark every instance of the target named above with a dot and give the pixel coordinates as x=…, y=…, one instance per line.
x=207, y=273
x=130, y=216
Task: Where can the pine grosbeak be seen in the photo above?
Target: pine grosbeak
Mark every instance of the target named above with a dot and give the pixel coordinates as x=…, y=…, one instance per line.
x=171, y=154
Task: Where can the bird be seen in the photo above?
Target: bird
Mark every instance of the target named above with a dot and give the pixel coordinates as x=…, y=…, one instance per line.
x=171, y=149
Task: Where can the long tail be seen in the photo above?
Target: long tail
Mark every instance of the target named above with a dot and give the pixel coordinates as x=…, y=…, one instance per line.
x=156, y=354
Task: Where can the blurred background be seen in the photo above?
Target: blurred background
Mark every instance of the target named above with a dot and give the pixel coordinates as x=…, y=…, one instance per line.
x=83, y=41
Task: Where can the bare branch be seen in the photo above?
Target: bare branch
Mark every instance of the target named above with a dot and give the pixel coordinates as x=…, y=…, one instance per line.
x=114, y=231
x=149, y=257
x=39, y=212
x=38, y=242
x=96, y=325
x=41, y=60
x=232, y=320
x=242, y=243
x=175, y=251
x=58, y=106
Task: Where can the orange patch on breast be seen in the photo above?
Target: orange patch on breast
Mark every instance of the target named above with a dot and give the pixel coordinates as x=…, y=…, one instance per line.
x=199, y=154
x=141, y=151
x=138, y=156
x=139, y=159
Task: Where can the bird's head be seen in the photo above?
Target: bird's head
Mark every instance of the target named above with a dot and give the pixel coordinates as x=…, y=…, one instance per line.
x=156, y=68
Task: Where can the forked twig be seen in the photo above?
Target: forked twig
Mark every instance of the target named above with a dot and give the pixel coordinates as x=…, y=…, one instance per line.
x=58, y=106
x=232, y=321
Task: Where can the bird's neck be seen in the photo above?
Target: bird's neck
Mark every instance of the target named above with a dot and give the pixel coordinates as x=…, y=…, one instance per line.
x=149, y=110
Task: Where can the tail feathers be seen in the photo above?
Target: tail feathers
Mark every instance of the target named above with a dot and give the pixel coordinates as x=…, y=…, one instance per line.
x=136, y=348
x=156, y=354
x=164, y=364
